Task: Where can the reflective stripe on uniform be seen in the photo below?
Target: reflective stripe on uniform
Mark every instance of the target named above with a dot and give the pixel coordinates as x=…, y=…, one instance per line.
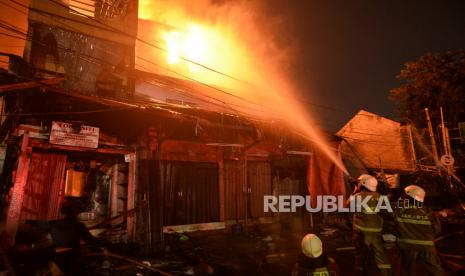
x=321, y=273
x=420, y=242
x=384, y=266
x=413, y=221
x=367, y=229
x=369, y=212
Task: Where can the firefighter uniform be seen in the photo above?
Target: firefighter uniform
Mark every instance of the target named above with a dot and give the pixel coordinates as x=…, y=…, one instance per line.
x=367, y=226
x=312, y=261
x=417, y=228
x=320, y=266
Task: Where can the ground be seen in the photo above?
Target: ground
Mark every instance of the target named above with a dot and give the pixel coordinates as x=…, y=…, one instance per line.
x=266, y=249
x=272, y=249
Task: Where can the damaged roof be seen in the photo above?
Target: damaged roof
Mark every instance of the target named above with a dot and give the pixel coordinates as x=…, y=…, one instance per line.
x=378, y=142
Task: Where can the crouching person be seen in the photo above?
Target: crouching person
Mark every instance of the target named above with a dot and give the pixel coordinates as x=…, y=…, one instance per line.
x=312, y=261
x=417, y=227
x=67, y=234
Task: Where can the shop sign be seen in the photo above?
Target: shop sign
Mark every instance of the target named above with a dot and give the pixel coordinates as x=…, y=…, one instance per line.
x=74, y=134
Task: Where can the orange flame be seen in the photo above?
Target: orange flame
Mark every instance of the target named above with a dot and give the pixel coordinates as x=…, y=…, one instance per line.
x=227, y=39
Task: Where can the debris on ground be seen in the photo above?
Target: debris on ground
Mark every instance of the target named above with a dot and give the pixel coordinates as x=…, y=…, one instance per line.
x=264, y=250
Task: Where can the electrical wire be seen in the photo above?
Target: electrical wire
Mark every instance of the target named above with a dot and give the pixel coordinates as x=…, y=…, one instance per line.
x=111, y=28
x=177, y=73
x=223, y=102
x=375, y=142
x=147, y=82
x=14, y=8
x=374, y=134
x=72, y=112
x=212, y=87
x=210, y=97
x=82, y=56
x=150, y=44
x=190, y=61
x=197, y=81
x=10, y=35
x=14, y=27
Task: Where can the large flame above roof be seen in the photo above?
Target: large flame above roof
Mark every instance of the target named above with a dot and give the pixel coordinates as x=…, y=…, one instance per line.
x=229, y=45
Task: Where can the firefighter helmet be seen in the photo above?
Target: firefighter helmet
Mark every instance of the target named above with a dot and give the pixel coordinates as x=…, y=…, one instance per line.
x=416, y=192
x=312, y=246
x=368, y=182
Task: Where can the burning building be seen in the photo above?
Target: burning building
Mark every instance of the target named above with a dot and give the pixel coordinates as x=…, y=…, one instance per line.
x=139, y=152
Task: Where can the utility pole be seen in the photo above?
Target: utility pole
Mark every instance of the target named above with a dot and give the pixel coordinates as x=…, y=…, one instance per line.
x=246, y=218
x=431, y=135
x=447, y=149
x=412, y=145
x=444, y=135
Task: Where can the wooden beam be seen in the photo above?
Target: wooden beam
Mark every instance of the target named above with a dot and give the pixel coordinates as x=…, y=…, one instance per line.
x=47, y=146
x=16, y=204
x=194, y=227
x=221, y=187
x=114, y=191
x=132, y=176
x=29, y=84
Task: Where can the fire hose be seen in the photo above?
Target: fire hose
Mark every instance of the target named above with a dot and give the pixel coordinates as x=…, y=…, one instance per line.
x=116, y=256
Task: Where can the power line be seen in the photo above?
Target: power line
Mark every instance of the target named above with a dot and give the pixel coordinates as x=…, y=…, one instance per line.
x=189, y=78
x=147, y=42
x=67, y=49
x=80, y=56
x=14, y=8
x=374, y=134
x=13, y=36
x=99, y=62
x=13, y=28
x=172, y=71
x=196, y=64
x=374, y=142
x=191, y=61
x=144, y=59
x=197, y=81
x=72, y=112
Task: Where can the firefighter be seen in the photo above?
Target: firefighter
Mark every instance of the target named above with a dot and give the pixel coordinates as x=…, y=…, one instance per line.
x=367, y=227
x=312, y=261
x=67, y=234
x=416, y=229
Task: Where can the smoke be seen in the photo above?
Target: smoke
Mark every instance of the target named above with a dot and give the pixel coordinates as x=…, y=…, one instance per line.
x=241, y=40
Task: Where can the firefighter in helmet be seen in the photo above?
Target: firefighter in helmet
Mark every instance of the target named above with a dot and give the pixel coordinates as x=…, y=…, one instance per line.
x=416, y=229
x=367, y=227
x=312, y=260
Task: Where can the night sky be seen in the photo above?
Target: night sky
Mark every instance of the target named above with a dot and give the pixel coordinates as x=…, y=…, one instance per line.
x=350, y=51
